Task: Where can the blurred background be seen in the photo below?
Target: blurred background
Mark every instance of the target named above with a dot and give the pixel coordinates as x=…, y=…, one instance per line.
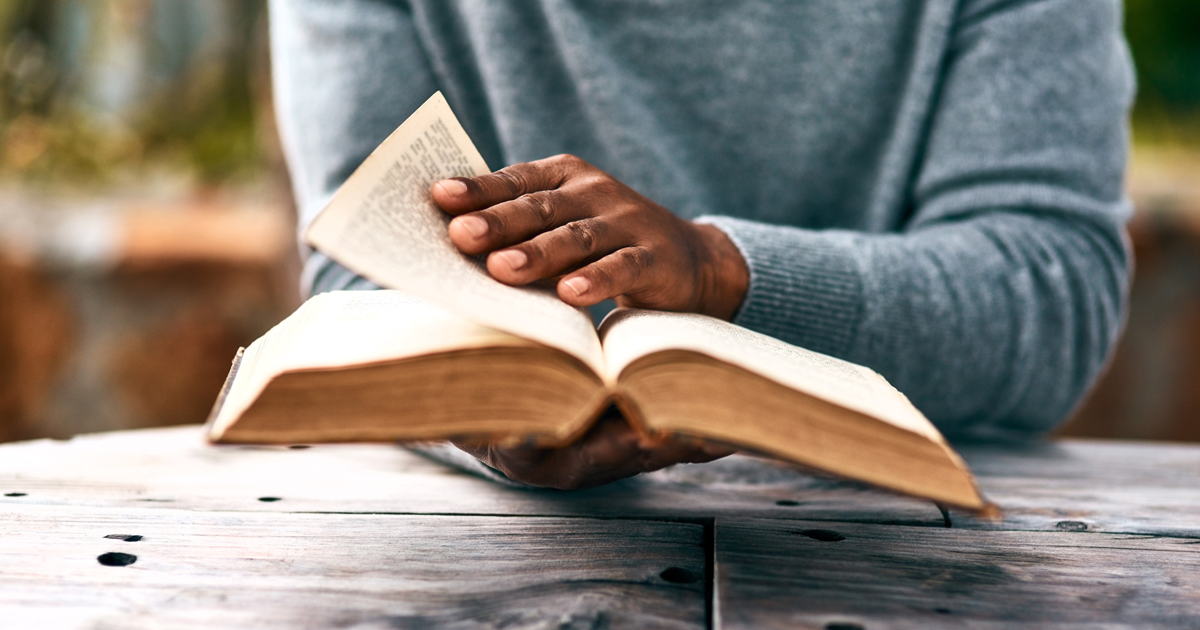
x=146, y=220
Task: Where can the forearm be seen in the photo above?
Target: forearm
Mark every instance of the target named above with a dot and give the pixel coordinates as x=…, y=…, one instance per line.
x=998, y=297
x=345, y=74
x=994, y=324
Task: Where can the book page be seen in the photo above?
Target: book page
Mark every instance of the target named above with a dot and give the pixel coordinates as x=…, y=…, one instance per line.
x=345, y=328
x=629, y=334
x=384, y=225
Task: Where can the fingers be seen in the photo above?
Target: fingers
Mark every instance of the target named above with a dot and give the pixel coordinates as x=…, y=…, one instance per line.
x=622, y=272
x=515, y=221
x=599, y=462
x=510, y=205
x=459, y=195
x=610, y=451
x=563, y=218
x=555, y=252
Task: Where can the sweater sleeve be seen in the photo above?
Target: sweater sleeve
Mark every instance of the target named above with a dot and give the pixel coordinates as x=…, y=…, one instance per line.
x=994, y=303
x=997, y=302
x=328, y=132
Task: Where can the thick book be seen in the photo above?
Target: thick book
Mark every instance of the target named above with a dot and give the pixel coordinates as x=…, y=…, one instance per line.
x=450, y=352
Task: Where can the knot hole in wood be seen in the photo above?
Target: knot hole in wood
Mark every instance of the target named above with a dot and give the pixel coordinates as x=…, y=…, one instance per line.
x=116, y=559
x=823, y=535
x=678, y=575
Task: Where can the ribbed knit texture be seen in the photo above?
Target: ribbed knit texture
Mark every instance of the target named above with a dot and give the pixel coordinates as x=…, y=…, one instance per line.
x=798, y=274
x=931, y=188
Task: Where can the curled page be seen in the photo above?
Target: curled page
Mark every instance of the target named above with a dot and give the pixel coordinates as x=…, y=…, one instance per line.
x=384, y=225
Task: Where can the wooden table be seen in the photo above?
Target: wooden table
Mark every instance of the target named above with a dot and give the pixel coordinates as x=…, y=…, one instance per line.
x=154, y=529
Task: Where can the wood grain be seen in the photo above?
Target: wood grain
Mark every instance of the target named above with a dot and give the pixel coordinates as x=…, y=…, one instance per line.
x=1102, y=486
x=273, y=570
x=823, y=575
x=175, y=468
x=1095, y=534
x=1105, y=485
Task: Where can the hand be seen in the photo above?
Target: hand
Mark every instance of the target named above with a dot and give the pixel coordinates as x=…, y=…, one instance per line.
x=611, y=450
x=564, y=217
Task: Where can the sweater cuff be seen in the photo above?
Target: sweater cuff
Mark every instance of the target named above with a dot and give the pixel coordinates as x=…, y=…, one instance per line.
x=805, y=285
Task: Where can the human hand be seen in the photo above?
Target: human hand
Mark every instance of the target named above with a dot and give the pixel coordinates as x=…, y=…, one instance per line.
x=611, y=450
x=564, y=217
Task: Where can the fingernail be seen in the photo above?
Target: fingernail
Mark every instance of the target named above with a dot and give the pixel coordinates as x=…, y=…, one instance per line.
x=452, y=187
x=578, y=284
x=474, y=226
x=514, y=258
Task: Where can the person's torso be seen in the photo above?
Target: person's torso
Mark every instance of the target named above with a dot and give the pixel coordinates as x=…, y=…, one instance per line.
x=807, y=113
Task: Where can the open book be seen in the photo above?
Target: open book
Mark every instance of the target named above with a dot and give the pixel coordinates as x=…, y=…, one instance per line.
x=455, y=353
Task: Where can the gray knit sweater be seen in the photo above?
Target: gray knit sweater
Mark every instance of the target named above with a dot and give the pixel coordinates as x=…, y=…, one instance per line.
x=931, y=188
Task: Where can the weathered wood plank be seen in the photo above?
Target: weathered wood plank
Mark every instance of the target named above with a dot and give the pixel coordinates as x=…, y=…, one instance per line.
x=1103, y=486
x=818, y=574
x=264, y=570
x=175, y=468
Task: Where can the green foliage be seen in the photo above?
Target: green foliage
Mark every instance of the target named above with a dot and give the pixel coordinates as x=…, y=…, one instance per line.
x=205, y=122
x=1165, y=38
x=208, y=123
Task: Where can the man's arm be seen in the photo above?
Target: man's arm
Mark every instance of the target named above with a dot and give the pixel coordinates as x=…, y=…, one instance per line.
x=993, y=306
x=999, y=301
x=334, y=63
